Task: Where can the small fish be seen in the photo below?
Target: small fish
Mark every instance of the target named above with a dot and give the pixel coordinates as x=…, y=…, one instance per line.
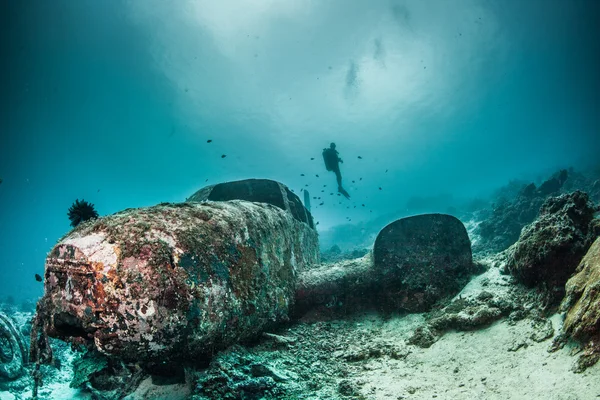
x=360, y=157
x=360, y=179
x=379, y=187
x=322, y=190
x=206, y=180
x=312, y=158
x=386, y=170
x=353, y=182
x=38, y=277
x=223, y=155
x=301, y=174
x=314, y=197
x=317, y=223
x=362, y=205
x=317, y=175
x=321, y=203
x=306, y=184
x=209, y=141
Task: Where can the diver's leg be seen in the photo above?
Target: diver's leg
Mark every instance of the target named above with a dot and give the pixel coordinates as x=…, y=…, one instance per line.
x=338, y=176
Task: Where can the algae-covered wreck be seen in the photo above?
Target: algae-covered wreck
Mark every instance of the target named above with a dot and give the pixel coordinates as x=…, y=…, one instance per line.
x=177, y=281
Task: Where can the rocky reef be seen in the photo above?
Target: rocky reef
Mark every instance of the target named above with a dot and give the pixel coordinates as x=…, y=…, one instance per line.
x=582, y=306
x=517, y=205
x=549, y=249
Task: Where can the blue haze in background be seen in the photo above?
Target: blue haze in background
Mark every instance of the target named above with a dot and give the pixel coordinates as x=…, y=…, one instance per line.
x=113, y=102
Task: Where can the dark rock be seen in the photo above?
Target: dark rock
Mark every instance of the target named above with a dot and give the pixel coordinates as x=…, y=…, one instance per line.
x=554, y=184
x=549, y=249
x=348, y=388
x=420, y=260
x=529, y=190
x=422, y=337
x=259, y=190
x=238, y=374
x=504, y=225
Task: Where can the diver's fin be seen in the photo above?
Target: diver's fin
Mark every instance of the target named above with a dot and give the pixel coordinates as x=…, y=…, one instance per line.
x=343, y=191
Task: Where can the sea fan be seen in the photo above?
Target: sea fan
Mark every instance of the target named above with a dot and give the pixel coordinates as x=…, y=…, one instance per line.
x=81, y=211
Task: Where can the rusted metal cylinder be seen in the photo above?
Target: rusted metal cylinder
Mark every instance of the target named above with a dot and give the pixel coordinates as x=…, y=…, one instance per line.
x=175, y=281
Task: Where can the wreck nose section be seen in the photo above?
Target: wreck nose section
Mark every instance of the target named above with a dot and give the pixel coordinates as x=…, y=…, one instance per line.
x=74, y=293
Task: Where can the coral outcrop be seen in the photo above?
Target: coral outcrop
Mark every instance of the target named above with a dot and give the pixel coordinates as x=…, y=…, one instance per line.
x=549, y=249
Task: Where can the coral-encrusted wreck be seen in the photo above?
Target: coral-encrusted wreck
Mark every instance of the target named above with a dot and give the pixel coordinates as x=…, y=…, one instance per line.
x=175, y=281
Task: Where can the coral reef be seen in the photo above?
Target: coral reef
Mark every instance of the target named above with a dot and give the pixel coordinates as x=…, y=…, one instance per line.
x=518, y=204
x=81, y=211
x=549, y=249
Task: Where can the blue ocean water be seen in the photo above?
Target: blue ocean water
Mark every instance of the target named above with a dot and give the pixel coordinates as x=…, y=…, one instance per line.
x=429, y=102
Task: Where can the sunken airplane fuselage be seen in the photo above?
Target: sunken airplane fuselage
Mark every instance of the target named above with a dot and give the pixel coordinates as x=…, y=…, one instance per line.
x=175, y=281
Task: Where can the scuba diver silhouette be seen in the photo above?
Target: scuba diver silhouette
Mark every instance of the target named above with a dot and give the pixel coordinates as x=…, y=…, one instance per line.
x=332, y=163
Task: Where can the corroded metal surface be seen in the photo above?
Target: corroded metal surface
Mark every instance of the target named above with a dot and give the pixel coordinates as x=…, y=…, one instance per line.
x=175, y=281
x=13, y=353
x=419, y=260
x=345, y=285
x=260, y=190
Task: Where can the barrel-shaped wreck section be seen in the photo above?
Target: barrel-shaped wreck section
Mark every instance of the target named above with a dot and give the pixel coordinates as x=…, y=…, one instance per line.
x=175, y=281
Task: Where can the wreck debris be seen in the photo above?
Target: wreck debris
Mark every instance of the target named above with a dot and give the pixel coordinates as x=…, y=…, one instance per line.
x=175, y=281
x=13, y=353
x=417, y=261
x=420, y=260
x=346, y=285
x=260, y=190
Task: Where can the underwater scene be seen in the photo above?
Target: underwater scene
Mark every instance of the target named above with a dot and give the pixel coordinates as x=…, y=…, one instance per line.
x=299, y=199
